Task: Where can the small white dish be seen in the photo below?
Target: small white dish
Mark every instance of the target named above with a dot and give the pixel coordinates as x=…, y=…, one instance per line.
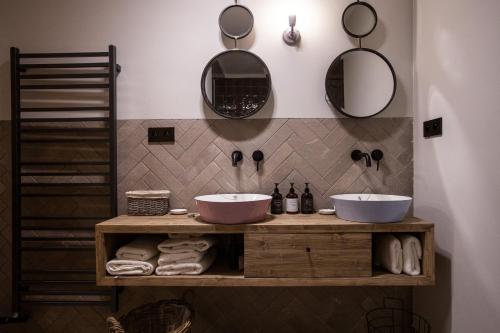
x=326, y=211
x=180, y=211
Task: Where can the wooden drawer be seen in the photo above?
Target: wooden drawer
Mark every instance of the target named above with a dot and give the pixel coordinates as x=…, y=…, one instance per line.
x=308, y=255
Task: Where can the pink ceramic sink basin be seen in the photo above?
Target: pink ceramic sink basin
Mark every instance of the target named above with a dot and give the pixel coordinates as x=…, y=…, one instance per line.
x=233, y=208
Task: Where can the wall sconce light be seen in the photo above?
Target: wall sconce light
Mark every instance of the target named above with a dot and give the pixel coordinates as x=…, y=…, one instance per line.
x=291, y=36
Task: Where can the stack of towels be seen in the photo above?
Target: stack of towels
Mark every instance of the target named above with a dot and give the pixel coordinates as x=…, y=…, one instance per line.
x=139, y=257
x=185, y=254
x=399, y=253
x=178, y=255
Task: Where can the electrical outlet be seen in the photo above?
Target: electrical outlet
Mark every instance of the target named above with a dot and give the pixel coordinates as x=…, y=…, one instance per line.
x=161, y=134
x=433, y=128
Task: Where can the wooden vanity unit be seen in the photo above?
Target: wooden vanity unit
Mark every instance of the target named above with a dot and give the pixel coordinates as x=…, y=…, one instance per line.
x=286, y=250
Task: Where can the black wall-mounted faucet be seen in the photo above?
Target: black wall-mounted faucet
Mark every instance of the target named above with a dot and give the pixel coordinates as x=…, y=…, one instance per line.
x=357, y=155
x=236, y=156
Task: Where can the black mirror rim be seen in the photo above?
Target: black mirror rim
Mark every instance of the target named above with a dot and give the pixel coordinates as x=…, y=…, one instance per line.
x=204, y=93
x=234, y=36
x=367, y=5
x=339, y=109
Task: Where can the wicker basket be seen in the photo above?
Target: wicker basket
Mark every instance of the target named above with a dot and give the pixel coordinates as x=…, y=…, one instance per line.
x=171, y=316
x=395, y=319
x=148, y=203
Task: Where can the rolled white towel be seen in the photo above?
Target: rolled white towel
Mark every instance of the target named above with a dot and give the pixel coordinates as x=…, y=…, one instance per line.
x=179, y=258
x=142, y=248
x=176, y=235
x=388, y=253
x=131, y=267
x=200, y=244
x=194, y=268
x=412, y=254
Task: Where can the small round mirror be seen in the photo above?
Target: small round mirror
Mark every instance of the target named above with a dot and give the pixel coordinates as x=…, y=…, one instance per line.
x=236, y=84
x=236, y=21
x=361, y=83
x=359, y=19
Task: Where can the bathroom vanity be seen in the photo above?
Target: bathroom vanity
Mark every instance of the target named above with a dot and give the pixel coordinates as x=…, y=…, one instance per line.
x=285, y=250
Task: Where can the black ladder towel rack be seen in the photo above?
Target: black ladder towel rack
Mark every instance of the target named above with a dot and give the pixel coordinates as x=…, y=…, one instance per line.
x=64, y=174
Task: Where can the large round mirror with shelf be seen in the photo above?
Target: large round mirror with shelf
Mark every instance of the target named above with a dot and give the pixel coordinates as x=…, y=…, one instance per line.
x=236, y=84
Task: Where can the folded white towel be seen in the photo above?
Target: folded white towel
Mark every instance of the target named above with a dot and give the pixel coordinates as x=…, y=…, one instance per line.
x=412, y=254
x=179, y=258
x=388, y=253
x=194, y=268
x=131, y=267
x=141, y=248
x=200, y=244
x=183, y=236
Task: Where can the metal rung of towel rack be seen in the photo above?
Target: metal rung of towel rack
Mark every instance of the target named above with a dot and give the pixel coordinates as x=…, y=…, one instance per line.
x=46, y=178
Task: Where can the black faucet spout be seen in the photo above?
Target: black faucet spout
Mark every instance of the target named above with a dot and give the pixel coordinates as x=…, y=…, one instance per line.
x=357, y=155
x=368, y=160
x=236, y=156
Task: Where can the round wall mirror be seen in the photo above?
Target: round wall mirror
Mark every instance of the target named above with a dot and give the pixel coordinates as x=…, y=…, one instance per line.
x=359, y=19
x=236, y=84
x=360, y=83
x=236, y=21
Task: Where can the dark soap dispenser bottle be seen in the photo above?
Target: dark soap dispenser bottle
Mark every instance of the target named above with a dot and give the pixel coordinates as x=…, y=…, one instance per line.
x=292, y=201
x=307, y=201
x=277, y=201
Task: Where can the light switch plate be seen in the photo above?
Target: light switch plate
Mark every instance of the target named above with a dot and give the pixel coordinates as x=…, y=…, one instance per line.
x=161, y=135
x=433, y=128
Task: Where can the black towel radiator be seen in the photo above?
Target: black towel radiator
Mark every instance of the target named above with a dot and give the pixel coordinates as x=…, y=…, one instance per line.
x=64, y=174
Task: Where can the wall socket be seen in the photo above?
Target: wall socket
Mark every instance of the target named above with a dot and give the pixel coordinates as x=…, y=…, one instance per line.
x=433, y=128
x=161, y=135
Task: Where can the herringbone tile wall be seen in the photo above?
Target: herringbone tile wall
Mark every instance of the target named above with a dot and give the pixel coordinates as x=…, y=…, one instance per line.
x=298, y=150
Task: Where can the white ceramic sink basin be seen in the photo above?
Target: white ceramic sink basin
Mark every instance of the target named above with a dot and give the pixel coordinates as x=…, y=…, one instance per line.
x=233, y=208
x=371, y=208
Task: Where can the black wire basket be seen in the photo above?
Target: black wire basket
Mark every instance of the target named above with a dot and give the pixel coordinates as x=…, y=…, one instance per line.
x=395, y=319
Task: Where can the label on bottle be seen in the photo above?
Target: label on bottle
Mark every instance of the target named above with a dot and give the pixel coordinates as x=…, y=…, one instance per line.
x=308, y=206
x=292, y=205
x=277, y=206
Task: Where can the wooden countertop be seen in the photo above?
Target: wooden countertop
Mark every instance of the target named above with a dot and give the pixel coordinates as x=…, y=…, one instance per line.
x=314, y=223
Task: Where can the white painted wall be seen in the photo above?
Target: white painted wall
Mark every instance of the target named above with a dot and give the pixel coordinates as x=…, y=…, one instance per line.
x=457, y=176
x=163, y=47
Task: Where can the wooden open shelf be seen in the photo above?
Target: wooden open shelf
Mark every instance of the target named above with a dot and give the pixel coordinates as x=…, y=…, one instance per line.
x=314, y=228
x=232, y=279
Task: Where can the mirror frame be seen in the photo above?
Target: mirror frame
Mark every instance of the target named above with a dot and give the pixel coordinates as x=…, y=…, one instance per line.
x=362, y=49
x=204, y=93
x=359, y=3
x=233, y=36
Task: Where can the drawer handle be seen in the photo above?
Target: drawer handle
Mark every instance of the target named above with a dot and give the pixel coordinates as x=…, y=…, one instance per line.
x=308, y=249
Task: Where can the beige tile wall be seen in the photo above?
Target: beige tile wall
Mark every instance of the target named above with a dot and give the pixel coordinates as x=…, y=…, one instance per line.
x=298, y=150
